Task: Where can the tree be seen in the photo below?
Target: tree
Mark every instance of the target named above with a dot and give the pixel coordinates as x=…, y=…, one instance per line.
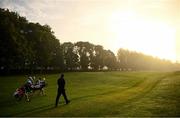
x=71, y=59
x=97, y=58
x=30, y=47
x=138, y=61
x=27, y=46
x=85, y=51
x=110, y=60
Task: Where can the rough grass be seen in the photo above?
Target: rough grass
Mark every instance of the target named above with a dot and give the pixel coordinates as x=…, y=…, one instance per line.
x=98, y=94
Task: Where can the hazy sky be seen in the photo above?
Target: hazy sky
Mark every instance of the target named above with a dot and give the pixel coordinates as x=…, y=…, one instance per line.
x=149, y=26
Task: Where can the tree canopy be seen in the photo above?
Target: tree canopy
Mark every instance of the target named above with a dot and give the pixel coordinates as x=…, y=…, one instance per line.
x=32, y=47
x=27, y=46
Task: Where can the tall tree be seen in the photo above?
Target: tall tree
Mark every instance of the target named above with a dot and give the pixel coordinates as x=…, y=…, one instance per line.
x=97, y=58
x=85, y=50
x=70, y=55
x=110, y=60
x=25, y=45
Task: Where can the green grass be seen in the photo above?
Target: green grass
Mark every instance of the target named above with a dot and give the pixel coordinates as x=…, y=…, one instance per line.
x=98, y=94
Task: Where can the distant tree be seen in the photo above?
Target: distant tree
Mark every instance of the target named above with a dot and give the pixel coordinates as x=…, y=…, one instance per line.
x=137, y=61
x=122, y=58
x=97, y=57
x=85, y=51
x=110, y=60
x=71, y=59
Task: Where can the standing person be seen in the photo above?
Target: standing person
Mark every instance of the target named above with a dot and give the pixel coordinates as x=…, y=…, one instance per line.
x=61, y=90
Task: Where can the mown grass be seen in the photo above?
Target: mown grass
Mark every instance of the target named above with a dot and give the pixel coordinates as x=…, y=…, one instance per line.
x=98, y=94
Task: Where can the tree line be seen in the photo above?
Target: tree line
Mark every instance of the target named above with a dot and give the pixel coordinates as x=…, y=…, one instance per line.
x=32, y=47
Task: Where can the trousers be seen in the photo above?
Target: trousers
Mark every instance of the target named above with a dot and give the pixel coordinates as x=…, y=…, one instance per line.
x=59, y=94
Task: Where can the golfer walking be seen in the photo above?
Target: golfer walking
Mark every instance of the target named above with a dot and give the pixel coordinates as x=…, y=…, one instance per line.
x=61, y=90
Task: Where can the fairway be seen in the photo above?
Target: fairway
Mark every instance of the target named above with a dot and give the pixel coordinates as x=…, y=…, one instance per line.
x=98, y=94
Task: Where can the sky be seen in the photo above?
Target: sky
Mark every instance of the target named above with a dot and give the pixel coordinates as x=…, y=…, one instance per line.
x=148, y=26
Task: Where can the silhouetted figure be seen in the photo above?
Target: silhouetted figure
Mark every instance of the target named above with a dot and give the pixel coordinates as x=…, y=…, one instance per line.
x=61, y=90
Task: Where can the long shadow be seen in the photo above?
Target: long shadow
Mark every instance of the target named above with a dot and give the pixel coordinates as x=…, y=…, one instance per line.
x=52, y=106
x=42, y=108
x=47, y=107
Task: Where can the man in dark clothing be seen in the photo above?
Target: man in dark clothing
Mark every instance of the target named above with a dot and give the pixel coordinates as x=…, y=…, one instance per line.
x=61, y=90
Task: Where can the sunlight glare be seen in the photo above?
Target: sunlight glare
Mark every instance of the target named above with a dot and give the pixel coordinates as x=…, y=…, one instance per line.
x=135, y=33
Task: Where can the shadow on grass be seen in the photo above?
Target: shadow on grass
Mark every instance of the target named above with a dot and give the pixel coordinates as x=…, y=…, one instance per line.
x=33, y=112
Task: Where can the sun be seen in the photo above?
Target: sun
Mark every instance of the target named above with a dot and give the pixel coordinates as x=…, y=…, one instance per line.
x=151, y=37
